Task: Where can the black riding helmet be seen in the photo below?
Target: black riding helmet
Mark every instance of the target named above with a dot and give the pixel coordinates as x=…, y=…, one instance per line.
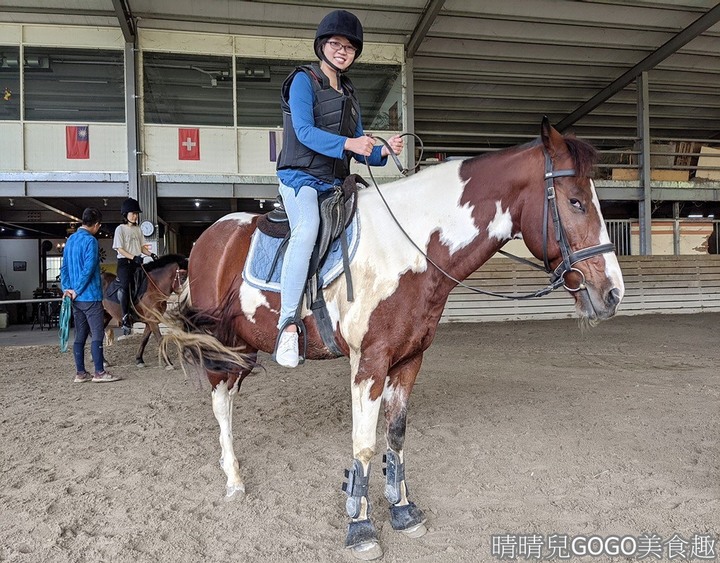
x=339, y=22
x=130, y=205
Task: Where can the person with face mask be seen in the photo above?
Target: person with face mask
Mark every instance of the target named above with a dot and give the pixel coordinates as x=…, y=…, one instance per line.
x=322, y=131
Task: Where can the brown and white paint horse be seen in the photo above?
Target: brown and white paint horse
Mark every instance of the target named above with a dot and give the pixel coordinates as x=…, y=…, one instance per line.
x=460, y=213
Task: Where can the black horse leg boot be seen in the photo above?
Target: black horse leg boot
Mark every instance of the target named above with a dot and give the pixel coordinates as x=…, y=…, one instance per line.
x=124, y=299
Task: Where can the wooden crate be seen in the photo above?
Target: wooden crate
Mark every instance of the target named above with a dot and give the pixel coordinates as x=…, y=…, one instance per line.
x=626, y=174
x=709, y=157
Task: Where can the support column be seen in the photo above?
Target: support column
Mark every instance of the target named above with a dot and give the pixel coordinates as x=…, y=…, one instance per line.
x=409, y=112
x=147, y=198
x=133, y=149
x=676, y=228
x=643, y=129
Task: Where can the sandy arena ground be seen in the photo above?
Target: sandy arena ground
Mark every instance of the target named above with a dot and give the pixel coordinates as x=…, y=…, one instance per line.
x=514, y=428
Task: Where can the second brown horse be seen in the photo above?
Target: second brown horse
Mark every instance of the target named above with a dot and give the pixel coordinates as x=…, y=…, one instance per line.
x=165, y=276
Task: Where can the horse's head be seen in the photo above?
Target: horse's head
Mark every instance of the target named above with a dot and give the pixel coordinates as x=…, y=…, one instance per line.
x=179, y=280
x=169, y=273
x=567, y=230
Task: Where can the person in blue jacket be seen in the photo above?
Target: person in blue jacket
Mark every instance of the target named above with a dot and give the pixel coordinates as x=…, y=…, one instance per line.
x=322, y=130
x=80, y=280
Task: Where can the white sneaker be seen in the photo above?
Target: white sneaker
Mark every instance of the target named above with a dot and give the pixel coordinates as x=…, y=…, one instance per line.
x=287, y=350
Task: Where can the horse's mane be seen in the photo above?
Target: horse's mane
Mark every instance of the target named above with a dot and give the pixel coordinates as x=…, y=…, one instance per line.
x=583, y=154
x=163, y=261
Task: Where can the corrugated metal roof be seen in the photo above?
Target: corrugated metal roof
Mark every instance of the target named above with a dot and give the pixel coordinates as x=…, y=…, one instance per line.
x=485, y=72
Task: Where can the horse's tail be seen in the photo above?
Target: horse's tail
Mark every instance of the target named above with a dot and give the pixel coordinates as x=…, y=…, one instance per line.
x=205, y=339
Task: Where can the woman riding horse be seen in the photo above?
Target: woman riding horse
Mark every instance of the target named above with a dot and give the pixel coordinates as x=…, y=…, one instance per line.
x=322, y=129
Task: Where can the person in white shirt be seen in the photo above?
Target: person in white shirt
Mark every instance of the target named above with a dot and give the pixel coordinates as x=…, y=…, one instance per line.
x=130, y=245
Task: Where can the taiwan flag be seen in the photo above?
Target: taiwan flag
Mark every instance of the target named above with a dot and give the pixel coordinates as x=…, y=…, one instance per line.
x=77, y=141
x=189, y=144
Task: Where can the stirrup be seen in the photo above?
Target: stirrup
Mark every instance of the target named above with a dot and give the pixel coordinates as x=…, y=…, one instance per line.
x=127, y=325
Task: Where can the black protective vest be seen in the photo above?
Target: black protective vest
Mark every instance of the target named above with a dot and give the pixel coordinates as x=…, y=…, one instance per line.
x=334, y=112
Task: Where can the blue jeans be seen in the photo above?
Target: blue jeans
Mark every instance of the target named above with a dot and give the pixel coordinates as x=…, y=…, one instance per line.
x=304, y=216
x=89, y=320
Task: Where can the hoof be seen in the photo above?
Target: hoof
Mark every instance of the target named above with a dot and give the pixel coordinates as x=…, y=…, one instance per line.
x=367, y=551
x=139, y=364
x=169, y=368
x=408, y=519
x=362, y=540
x=417, y=531
x=234, y=492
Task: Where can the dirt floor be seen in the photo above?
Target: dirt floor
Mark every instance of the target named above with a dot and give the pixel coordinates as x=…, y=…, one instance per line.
x=515, y=428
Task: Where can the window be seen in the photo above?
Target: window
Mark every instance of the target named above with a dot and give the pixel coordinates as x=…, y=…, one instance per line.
x=9, y=83
x=74, y=85
x=52, y=268
x=187, y=89
x=378, y=88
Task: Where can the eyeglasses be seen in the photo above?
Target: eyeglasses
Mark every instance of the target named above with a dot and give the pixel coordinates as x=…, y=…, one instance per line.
x=337, y=46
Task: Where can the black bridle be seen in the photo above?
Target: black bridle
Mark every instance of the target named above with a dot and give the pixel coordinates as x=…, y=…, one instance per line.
x=550, y=209
x=177, y=281
x=569, y=258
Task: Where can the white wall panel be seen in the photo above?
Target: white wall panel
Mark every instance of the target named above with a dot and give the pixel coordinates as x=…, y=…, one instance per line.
x=60, y=36
x=254, y=151
x=180, y=42
x=218, y=151
x=293, y=49
x=45, y=149
x=25, y=250
x=11, y=34
x=11, y=146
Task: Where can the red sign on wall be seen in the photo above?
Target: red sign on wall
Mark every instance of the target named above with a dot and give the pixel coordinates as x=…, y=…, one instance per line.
x=189, y=144
x=77, y=141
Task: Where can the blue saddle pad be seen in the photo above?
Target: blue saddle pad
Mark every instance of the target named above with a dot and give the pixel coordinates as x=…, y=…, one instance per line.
x=263, y=249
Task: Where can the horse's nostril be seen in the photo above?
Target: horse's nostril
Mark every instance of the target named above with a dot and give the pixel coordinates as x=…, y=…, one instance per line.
x=613, y=297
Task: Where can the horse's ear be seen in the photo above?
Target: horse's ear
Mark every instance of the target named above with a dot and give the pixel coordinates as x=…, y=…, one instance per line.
x=551, y=138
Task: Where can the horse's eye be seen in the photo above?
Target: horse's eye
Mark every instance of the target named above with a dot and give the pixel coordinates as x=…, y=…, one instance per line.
x=576, y=204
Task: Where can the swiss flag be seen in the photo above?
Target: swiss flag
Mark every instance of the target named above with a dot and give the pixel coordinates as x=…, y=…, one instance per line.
x=77, y=141
x=189, y=144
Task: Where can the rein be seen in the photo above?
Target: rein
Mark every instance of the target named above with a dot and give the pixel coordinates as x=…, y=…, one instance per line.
x=569, y=258
x=160, y=291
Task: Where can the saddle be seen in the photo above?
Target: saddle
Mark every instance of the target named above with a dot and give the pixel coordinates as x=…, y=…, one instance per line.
x=337, y=208
x=138, y=287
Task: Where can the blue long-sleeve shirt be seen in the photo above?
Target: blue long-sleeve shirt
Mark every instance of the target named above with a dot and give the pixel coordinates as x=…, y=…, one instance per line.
x=80, y=269
x=301, y=110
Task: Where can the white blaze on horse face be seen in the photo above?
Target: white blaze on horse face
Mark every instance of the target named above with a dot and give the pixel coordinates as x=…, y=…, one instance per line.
x=501, y=225
x=612, y=266
x=251, y=299
x=424, y=204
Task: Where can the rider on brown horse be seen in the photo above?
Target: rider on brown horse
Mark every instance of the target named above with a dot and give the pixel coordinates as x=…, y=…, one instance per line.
x=129, y=242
